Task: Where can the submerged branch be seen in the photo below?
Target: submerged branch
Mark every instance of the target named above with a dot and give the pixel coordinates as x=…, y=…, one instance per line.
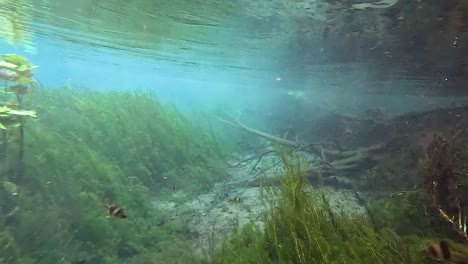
x=284, y=142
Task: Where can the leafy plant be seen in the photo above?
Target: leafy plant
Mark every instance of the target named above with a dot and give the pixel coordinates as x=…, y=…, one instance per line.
x=17, y=69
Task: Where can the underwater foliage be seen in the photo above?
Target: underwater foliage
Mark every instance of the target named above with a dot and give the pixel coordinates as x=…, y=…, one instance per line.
x=396, y=171
x=302, y=228
x=151, y=143
x=444, y=169
x=406, y=213
x=88, y=149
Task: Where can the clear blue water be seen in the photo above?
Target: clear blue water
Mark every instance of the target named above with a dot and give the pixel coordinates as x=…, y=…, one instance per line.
x=232, y=54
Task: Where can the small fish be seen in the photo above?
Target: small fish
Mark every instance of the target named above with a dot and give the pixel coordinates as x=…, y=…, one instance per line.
x=441, y=251
x=116, y=211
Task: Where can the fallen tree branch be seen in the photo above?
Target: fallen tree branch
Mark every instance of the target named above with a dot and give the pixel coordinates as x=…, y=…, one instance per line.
x=344, y=157
x=260, y=158
x=341, y=161
x=348, y=153
x=316, y=147
x=284, y=142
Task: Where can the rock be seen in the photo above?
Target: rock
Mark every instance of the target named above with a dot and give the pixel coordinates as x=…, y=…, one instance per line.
x=342, y=201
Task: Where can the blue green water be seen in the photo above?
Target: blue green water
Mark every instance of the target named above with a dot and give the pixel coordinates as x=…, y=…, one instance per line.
x=128, y=103
x=199, y=51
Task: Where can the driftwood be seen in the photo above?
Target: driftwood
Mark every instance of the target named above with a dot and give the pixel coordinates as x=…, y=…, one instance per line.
x=394, y=135
x=281, y=141
x=333, y=161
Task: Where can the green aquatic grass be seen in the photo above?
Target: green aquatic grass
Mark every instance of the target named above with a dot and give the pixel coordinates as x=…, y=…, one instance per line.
x=91, y=148
x=301, y=227
x=147, y=140
x=88, y=148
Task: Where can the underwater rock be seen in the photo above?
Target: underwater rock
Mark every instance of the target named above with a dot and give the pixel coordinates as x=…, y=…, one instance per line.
x=342, y=201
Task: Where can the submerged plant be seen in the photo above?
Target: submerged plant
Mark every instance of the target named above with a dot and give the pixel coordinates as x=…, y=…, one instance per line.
x=301, y=227
x=91, y=149
x=17, y=69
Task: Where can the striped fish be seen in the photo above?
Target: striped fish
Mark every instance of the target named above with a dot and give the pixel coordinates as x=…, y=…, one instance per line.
x=116, y=211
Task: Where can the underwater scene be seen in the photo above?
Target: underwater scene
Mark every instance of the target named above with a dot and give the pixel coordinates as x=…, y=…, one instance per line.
x=268, y=131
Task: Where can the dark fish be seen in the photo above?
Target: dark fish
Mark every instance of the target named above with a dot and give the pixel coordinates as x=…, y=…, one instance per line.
x=441, y=251
x=116, y=211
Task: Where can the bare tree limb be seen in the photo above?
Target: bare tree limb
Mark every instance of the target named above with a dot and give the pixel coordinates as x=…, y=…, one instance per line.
x=284, y=142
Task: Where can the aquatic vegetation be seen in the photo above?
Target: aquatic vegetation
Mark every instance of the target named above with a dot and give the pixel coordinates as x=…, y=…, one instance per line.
x=444, y=170
x=406, y=213
x=90, y=149
x=396, y=171
x=301, y=228
x=14, y=68
x=153, y=144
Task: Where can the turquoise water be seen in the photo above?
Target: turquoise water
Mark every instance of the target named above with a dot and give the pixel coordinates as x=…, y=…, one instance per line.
x=166, y=110
x=200, y=52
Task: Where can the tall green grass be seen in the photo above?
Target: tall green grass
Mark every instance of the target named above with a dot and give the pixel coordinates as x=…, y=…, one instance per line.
x=90, y=148
x=301, y=227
